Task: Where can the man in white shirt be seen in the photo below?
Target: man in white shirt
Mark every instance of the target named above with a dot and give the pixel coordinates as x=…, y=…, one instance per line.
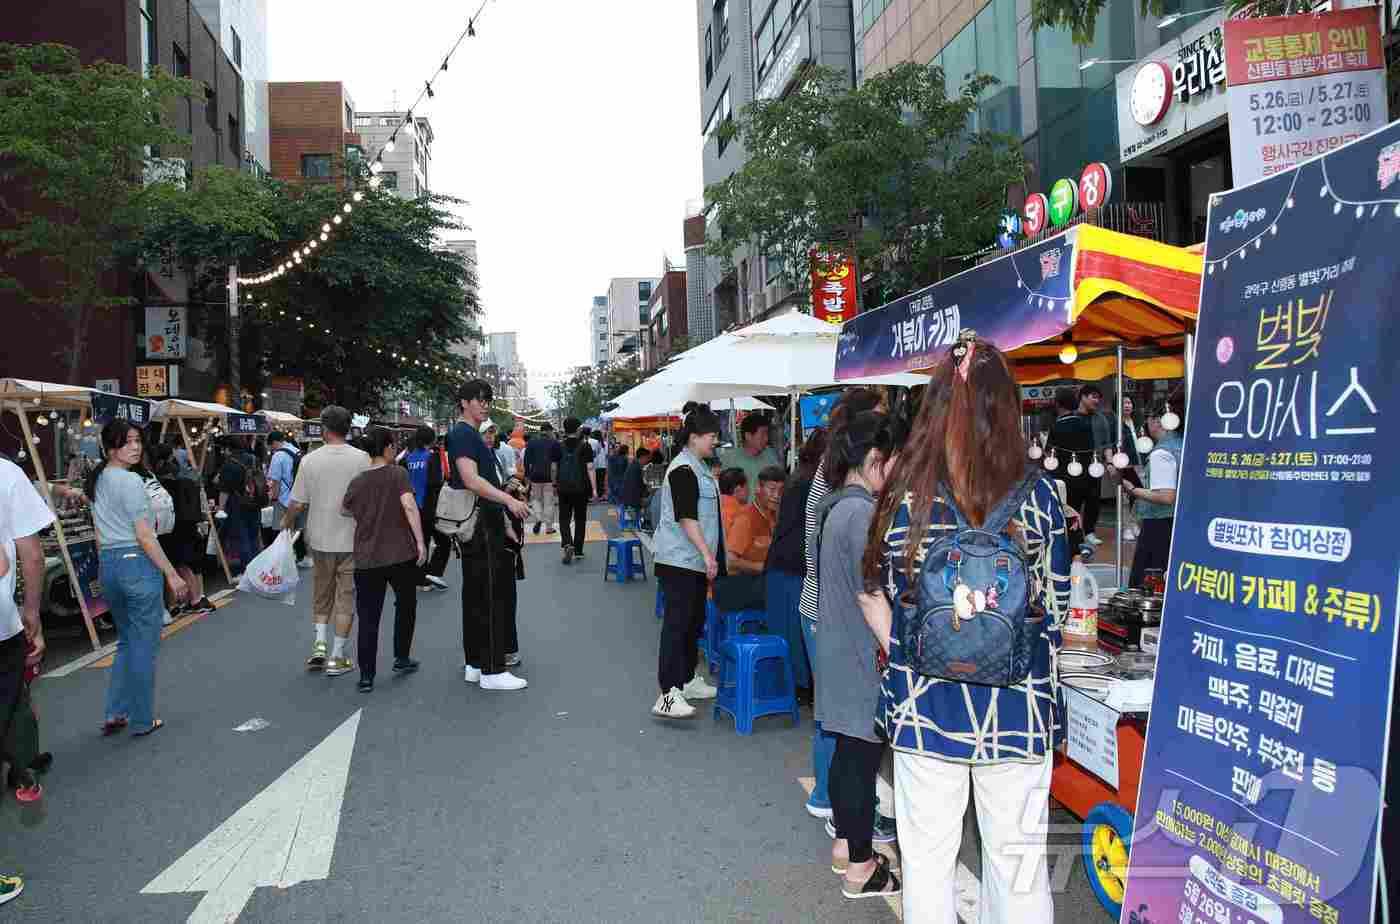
x=320, y=485
x=23, y=513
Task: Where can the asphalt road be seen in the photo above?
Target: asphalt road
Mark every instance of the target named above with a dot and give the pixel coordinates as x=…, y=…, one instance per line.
x=565, y=802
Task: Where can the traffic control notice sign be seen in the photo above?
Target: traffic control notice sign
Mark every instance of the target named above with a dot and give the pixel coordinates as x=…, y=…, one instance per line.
x=1266, y=747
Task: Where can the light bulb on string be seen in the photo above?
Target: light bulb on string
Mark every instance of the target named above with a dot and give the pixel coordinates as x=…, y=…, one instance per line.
x=1068, y=354
x=376, y=168
x=374, y=182
x=358, y=196
x=347, y=208
x=313, y=245
x=1096, y=469
x=1170, y=421
x=1051, y=463
x=1035, y=452
x=60, y=423
x=1143, y=443
x=1074, y=469
x=326, y=228
x=325, y=236
x=336, y=219
x=389, y=145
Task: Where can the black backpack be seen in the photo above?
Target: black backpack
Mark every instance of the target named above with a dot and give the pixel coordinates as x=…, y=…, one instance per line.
x=573, y=476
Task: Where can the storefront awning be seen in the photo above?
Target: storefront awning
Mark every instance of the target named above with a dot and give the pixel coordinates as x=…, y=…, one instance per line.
x=1091, y=287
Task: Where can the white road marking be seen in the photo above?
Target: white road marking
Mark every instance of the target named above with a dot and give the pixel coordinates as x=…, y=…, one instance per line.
x=284, y=835
x=969, y=887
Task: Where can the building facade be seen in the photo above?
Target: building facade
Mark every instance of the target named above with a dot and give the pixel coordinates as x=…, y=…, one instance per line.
x=140, y=34
x=598, y=331
x=667, y=329
x=469, y=349
x=502, y=367
x=406, y=167
x=752, y=50
x=312, y=129
x=241, y=26
x=628, y=297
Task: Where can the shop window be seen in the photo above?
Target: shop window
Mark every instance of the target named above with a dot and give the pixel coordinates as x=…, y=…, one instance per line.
x=316, y=166
x=721, y=22
x=960, y=59
x=182, y=62
x=237, y=48
x=148, y=36
x=1113, y=41
x=1000, y=108
x=1057, y=68
x=211, y=108
x=235, y=137
x=709, y=54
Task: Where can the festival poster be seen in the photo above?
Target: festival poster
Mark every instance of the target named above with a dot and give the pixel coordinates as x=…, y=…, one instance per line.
x=86, y=566
x=1266, y=744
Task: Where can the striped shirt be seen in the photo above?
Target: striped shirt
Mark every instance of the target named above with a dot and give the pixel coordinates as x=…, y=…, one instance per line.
x=972, y=723
x=808, y=604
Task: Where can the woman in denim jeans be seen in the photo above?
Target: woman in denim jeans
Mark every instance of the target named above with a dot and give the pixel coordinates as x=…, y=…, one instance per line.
x=132, y=563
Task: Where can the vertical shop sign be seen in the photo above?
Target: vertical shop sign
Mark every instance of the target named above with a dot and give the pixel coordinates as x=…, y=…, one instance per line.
x=1266, y=746
x=165, y=332
x=833, y=286
x=152, y=381
x=1300, y=86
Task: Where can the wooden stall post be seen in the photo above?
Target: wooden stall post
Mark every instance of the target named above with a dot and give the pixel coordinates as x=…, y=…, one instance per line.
x=204, y=501
x=57, y=526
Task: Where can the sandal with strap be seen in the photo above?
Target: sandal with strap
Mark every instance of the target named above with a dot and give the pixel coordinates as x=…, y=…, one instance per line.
x=882, y=882
x=112, y=726
x=156, y=726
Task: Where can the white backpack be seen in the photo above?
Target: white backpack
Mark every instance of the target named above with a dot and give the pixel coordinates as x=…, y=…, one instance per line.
x=162, y=506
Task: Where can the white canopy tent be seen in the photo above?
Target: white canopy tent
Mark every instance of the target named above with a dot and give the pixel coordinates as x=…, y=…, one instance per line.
x=785, y=355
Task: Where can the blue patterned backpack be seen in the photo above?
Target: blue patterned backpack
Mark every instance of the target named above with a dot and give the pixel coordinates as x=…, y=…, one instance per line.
x=971, y=617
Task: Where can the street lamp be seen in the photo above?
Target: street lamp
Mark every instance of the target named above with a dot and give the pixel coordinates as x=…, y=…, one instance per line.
x=1171, y=19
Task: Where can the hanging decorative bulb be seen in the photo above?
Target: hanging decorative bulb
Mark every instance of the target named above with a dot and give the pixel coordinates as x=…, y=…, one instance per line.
x=1068, y=354
x=376, y=168
x=336, y=219
x=358, y=195
x=87, y=423
x=347, y=208
x=1143, y=443
x=21, y=455
x=374, y=182
x=1170, y=421
x=34, y=440
x=325, y=236
x=1120, y=460
x=389, y=145
x=1096, y=469
x=1051, y=463
x=1035, y=452
x=37, y=401
x=60, y=423
x=41, y=420
x=1074, y=469
x=313, y=245
x=326, y=228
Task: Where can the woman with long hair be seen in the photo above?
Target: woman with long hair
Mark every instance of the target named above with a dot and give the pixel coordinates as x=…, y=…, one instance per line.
x=846, y=652
x=966, y=450
x=787, y=564
x=132, y=564
x=686, y=553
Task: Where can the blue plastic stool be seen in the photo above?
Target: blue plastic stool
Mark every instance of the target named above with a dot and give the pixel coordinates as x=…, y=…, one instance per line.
x=756, y=680
x=744, y=622
x=713, y=636
x=626, y=520
x=629, y=562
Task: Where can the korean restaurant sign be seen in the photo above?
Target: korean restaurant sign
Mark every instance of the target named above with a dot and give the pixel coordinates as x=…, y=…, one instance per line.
x=1266, y=747
x=165, y=332
x=833, y=286
x=1174, y=94
x=1301, y=86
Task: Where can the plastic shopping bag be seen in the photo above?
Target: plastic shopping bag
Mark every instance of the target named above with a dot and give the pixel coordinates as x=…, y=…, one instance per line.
x=273, y=573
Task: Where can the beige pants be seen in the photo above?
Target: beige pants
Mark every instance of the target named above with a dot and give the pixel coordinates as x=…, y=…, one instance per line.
x=544, y=504
x=334, y=574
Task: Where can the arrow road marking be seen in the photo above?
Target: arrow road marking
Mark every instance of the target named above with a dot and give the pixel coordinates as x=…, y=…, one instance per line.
x=284, y=835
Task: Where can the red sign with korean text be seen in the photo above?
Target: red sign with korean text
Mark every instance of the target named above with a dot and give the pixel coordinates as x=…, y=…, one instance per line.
x=1282, y=47
x=833, y=286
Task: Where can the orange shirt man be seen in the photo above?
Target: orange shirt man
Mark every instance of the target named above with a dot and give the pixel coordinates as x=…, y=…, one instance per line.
x=747, y=542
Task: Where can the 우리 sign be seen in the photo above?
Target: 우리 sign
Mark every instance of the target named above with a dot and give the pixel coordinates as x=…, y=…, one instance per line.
x=1266, y=747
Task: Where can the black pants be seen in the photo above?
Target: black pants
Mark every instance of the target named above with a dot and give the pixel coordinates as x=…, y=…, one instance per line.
x=573, y=508
x=487, y=569
x=1154, y=544
x=681, y=625
x=508, y=590
x=600, y=480
x=441, y=552
x=851, y=784
x=1083, y=495
x=370, y=586
x=12, y=652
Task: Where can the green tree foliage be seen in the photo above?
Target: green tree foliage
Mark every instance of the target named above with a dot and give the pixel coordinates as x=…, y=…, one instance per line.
x=888, y=171
x=1080, y=16
x=74, y=140
x=377, y=306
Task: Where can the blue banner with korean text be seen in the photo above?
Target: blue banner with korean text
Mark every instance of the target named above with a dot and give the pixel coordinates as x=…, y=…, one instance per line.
x=1014, y=300
x=1266, y=747
x=107, y=407
x=247, y=424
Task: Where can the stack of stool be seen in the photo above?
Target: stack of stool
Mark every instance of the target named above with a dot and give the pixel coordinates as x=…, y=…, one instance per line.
x=756, y=680
x=725, y=624
x=628, y=561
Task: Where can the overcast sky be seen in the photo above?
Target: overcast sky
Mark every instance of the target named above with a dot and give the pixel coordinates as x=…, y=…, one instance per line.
x=572, y=128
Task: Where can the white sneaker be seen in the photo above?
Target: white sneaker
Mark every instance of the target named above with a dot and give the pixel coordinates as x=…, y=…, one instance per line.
x=437, y=581
x=698, y=689
x=1093, y=540
x=503, y=682
x=672, y=705
x=471, y=674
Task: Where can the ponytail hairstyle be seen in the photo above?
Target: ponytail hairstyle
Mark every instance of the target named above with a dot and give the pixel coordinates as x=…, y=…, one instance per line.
x=377, y=439
x=698, y=422
x=113, y=437
x=966, y=439
x=865, y=433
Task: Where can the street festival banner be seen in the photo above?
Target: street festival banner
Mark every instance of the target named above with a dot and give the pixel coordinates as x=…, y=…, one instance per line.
x=1300, y=86
x=1266, y=746
x=1014, y=300
x=108, y=407
x=247, y=424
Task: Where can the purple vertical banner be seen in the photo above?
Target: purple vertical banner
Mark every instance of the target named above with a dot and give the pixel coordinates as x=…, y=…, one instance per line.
x=1266, y=748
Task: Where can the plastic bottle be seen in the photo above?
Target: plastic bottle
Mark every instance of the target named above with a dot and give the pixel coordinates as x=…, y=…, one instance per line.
x=1081, y=629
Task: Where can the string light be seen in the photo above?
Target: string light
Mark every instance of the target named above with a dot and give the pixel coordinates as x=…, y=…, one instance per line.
x=376, y=165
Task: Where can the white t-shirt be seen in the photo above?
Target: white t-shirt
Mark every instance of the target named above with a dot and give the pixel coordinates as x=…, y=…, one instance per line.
x=321, y=481
x=505, y=455
x=1161, y=471
x=22, y=513
x=600, y=458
